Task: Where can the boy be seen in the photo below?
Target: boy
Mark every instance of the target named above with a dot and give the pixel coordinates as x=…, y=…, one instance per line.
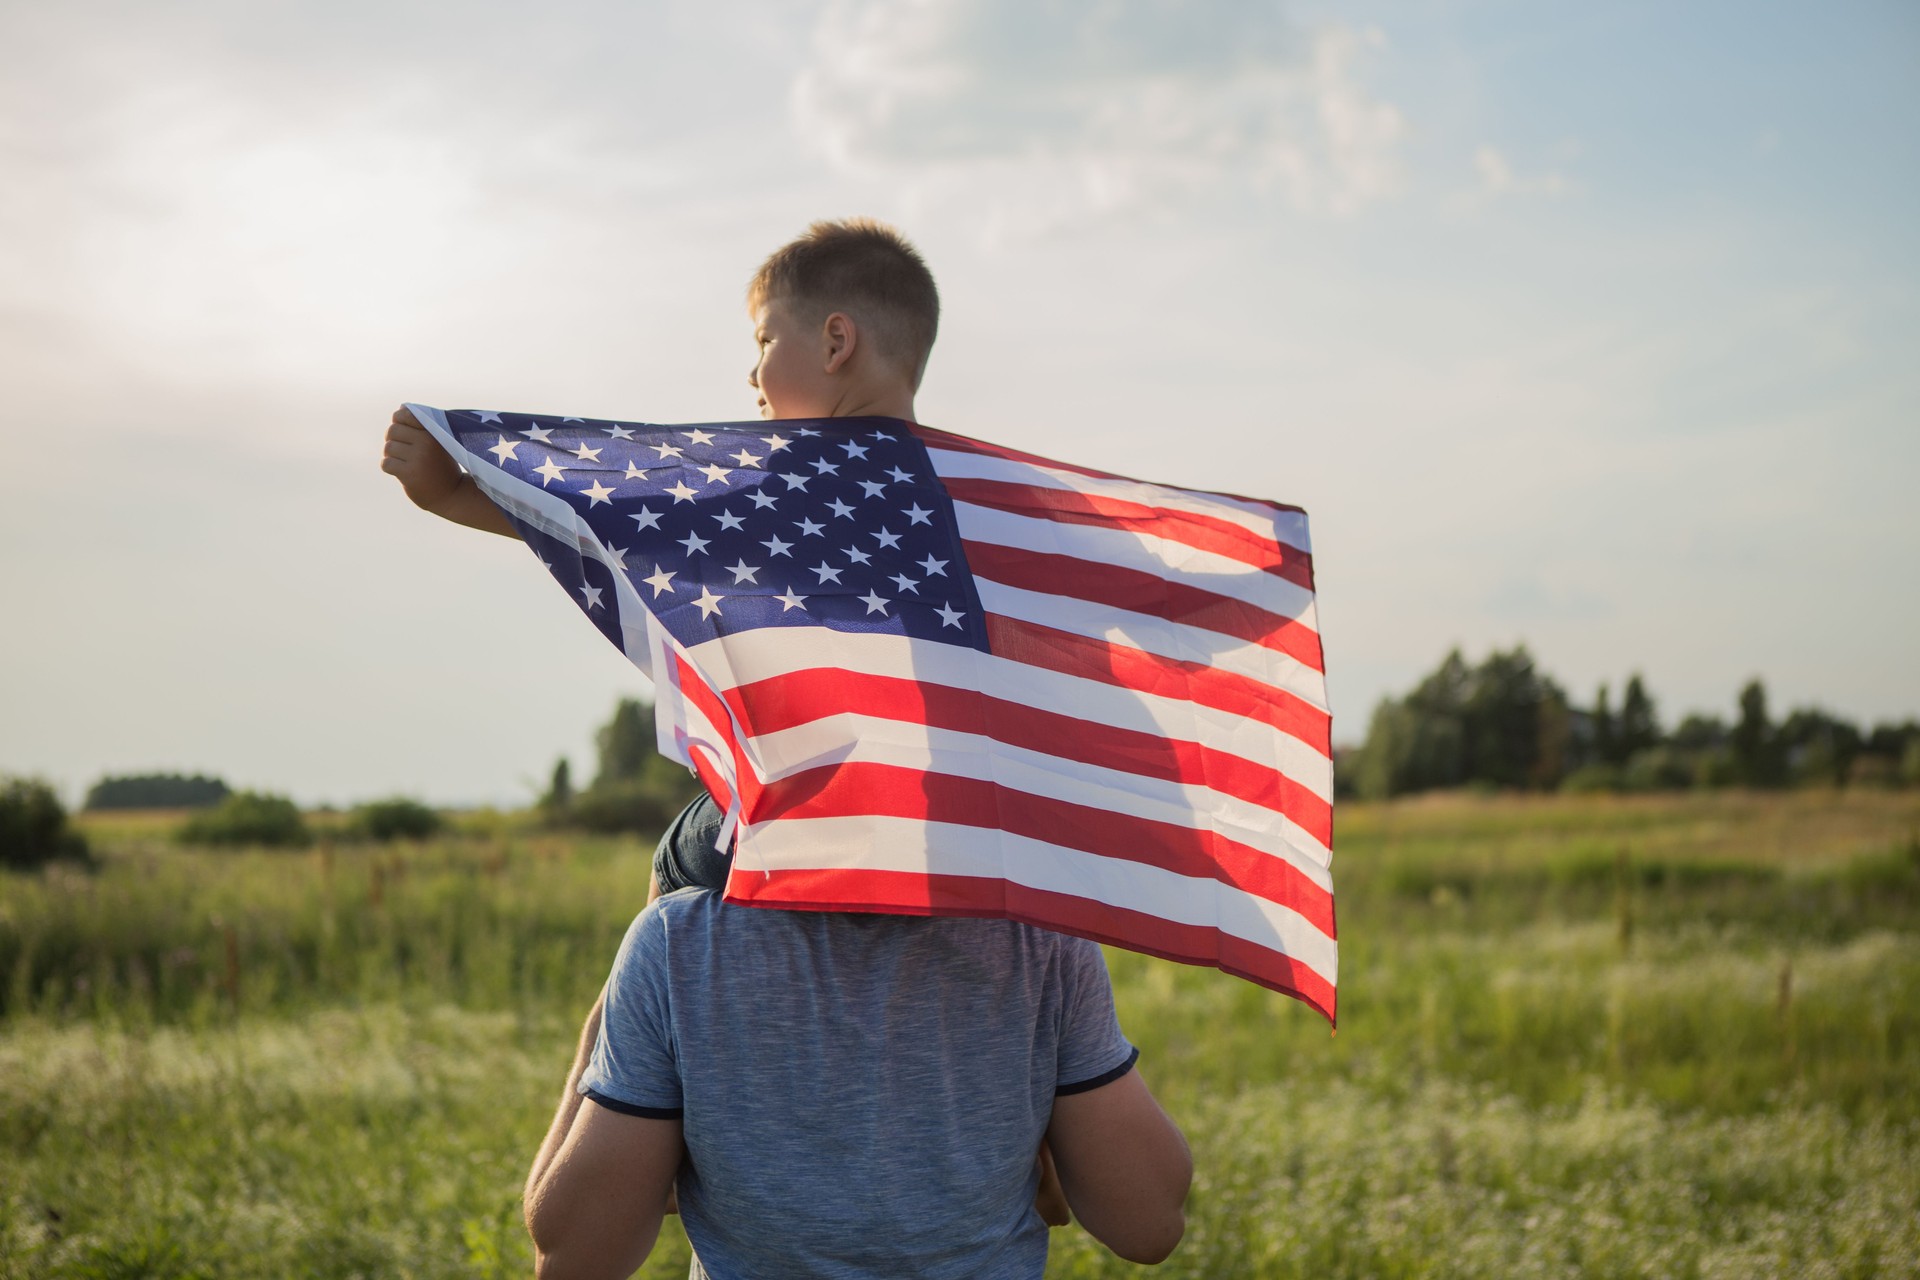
x=838, y=1095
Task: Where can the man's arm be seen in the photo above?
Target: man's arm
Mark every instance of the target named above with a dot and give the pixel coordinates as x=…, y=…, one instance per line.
x=600, y=1183
x=1124, y=1166
x=434, y=481
x=597, y=1210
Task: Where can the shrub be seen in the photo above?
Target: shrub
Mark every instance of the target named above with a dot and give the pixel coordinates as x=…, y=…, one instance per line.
x=397, y=818
x=1656, y=769
x=33, y=825
x=247, y=817
x=611, y=807
x=1590, y=779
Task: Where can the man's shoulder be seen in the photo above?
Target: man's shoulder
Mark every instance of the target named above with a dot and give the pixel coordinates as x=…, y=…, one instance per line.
x=674, y=920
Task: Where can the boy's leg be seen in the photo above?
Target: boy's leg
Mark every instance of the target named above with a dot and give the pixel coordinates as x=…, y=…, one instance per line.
x=685, y=856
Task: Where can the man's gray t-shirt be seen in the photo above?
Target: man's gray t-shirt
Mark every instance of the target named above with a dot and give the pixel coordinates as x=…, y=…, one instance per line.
x=862, y=1095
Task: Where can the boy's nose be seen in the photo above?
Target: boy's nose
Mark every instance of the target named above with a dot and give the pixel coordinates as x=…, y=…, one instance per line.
x=753, y=377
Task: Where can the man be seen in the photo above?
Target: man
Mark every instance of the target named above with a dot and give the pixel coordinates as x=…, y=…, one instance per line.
x=850, y=1096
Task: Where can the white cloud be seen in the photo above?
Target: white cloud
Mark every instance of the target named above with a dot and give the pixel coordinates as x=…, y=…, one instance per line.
x=1499, y=178
x=1063, y=111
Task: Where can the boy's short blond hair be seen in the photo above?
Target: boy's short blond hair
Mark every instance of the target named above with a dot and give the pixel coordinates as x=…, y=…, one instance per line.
x=866, y=269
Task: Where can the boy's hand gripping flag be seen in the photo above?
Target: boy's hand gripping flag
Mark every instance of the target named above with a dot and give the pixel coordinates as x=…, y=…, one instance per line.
x=929, y=675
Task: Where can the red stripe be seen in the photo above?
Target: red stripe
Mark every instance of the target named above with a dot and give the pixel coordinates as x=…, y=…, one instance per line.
x=1141, y=592
x=801, y=697
x=695, y=689
x=1203, y=533
x=1075, y=655
x=907, y=893
x=858, y=790
x=934, y=438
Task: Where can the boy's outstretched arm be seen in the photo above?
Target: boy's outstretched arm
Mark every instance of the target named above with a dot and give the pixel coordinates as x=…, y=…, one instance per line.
x=434, y=481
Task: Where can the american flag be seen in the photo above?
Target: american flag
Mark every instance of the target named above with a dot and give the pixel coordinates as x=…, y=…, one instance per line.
x=929, y=675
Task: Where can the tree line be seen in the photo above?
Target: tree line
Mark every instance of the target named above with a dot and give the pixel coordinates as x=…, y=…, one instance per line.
x=1506, y=725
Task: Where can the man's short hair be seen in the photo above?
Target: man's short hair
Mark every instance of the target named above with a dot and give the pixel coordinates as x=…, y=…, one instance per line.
x=866, y=269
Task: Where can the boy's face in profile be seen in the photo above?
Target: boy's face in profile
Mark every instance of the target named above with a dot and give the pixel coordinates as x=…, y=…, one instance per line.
x=791, y=374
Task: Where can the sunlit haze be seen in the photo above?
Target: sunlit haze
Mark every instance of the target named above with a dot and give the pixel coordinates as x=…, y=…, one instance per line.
x=1586, y=326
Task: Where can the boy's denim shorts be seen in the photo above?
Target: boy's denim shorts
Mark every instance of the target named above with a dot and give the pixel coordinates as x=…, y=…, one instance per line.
x=685, y=856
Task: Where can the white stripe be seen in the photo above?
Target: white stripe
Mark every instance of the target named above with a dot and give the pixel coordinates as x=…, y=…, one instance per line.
x=1156, y=635
x=1171, y=718
x=851, y=739
x=938, y=848
x=760, y=655
x=1289, y=527
x=1162, y=557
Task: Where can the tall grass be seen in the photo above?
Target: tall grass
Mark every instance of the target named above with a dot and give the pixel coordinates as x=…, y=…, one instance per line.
x=1660, y=1036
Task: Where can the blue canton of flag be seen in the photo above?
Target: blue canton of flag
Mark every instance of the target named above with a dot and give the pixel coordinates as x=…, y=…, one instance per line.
x=833, y=523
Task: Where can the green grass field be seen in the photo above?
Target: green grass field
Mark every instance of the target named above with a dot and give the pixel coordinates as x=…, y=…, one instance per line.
x=1670, y=1036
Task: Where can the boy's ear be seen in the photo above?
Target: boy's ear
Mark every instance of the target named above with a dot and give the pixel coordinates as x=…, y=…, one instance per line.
x=839, y=335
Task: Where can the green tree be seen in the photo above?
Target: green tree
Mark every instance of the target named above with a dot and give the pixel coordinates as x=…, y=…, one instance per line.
x=559, y=797
x=1639, y=726
x=1757, y=759
x=636, y=789
x=1606, y=739
x=1499, y=724
x=33, y=825
x=626, y=743
x=156, y=791
x=1817, y=748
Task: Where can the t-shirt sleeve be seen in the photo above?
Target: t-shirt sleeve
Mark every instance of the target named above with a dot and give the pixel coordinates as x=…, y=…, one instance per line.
x=1093, y=1051
x=633, y=1068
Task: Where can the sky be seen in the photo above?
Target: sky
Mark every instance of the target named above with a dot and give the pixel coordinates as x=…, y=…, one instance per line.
x=1585, y=326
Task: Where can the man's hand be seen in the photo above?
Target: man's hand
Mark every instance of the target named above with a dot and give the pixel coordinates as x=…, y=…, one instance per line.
x=434, y=481
x=416, y=460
